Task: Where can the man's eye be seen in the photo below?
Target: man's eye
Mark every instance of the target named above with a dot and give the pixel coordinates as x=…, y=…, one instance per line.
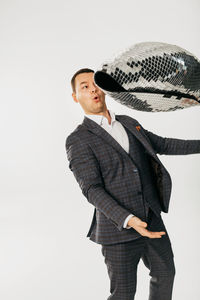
x=85, y=86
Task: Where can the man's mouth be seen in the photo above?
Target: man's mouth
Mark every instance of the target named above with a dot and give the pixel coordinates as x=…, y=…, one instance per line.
x=96, y=98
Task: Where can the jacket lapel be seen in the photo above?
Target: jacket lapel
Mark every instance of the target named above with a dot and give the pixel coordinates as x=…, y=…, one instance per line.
x=138, y=134
x=102, y=133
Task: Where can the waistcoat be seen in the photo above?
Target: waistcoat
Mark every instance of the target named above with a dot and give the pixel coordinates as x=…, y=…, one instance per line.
x=141, y=161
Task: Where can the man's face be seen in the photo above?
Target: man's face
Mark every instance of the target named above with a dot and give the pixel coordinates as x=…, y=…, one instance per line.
x=90, y=97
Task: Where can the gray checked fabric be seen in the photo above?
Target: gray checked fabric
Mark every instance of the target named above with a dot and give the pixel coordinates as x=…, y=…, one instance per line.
x=122, y=262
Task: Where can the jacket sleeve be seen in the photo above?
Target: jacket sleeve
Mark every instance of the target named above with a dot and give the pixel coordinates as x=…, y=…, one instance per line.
x=85, y=167
x=172, y=146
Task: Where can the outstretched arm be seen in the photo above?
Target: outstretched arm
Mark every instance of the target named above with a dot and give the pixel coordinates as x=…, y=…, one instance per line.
x=85, y=167
x=172, y=146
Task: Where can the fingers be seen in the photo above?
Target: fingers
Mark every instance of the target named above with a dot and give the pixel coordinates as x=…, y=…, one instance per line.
x=144, y=224
x=140, y=226
x=152, y=234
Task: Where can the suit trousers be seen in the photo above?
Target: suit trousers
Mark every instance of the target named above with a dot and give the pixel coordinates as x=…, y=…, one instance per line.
x=122, y=261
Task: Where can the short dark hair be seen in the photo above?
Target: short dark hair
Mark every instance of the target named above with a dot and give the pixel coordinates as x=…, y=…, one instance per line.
x=84, y=70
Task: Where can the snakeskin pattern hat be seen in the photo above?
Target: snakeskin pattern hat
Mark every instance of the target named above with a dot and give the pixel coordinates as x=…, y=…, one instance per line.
x=152, y=76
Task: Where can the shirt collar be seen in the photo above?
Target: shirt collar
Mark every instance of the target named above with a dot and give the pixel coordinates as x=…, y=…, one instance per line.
x=99, y=119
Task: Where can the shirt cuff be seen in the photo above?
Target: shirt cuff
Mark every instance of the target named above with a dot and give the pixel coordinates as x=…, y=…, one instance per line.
x=126, y=221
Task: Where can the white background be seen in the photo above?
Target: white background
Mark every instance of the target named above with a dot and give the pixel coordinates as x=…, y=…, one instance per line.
x=44, y=218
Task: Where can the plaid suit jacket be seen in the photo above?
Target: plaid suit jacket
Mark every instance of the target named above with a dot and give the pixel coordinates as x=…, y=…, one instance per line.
x=104, y=172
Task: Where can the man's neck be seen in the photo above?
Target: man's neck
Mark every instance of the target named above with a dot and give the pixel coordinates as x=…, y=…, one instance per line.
x=103, y=113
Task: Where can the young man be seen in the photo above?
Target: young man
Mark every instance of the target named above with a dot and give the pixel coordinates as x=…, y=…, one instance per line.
x=114, y=160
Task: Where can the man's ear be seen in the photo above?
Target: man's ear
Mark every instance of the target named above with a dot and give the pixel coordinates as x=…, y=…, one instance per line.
x=74, y=97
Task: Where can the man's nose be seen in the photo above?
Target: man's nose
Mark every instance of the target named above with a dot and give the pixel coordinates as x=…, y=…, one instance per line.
x=94, y=88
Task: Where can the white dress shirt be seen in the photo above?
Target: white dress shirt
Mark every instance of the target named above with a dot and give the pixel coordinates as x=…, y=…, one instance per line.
x=118, y=132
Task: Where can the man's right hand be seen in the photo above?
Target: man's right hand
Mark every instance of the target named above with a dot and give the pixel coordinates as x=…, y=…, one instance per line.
x=140, y=227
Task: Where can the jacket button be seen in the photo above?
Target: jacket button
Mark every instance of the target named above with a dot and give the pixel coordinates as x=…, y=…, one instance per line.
x=135, y=170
